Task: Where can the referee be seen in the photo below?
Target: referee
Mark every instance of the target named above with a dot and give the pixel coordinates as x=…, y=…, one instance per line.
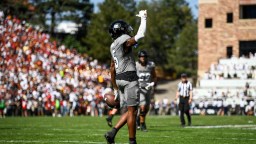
x=184, y=92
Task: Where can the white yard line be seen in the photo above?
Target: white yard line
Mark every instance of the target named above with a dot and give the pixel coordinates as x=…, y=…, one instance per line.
x=228, y=138
x=60, y=141
x=223, y=126
x=245, y=139
x=19, y=141
x=51, y=134
x=37, y=141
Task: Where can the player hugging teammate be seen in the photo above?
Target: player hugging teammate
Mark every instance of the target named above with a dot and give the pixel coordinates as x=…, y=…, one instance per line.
x=124, y=75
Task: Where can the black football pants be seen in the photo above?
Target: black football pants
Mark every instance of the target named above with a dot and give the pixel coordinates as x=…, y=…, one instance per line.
x=184, y=108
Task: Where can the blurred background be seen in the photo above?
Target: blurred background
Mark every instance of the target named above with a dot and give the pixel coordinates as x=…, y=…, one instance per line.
x=55, y=54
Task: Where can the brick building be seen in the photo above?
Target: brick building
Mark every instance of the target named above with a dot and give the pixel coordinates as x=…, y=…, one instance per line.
x=225, y=28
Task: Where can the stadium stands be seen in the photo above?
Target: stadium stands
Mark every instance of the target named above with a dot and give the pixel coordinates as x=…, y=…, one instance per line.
x=40, y=77
x=228, y=88
x=234, y=68
x=224, y=83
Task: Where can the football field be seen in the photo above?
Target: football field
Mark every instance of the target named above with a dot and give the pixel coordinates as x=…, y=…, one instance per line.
x=162, y=130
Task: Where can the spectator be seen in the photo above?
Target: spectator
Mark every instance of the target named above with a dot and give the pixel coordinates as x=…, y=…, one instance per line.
x=40, y=77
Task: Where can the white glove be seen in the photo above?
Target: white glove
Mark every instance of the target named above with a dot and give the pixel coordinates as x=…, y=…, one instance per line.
x=142, y=14
x=149, y=86
x=143, y=24
x=116, y=93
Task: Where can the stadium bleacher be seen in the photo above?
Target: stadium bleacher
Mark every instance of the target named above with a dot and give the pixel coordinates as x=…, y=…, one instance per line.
x=228, y=88
x=224, y=83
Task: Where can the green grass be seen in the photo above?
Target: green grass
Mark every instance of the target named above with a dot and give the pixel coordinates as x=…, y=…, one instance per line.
x=162, y=129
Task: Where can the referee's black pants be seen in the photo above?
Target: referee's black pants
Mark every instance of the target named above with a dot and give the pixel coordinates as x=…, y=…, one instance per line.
x=184, y=108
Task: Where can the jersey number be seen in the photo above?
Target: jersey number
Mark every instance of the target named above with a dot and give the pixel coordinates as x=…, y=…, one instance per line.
x=144, y=76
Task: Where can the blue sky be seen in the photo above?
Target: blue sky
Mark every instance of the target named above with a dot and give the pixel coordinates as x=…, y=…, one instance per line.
x=192, y=3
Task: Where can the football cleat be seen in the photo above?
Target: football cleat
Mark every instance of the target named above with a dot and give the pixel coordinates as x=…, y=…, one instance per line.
x=144, y=128
x=109, y=122
x=110, y=138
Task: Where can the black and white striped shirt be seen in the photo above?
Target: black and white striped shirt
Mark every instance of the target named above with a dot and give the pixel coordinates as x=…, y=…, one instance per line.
x=185, y=88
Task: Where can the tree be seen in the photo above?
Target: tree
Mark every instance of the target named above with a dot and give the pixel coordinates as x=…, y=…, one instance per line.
x=50, y=12
x=98, y=39
x=183, y=58
x=171, y=35
x=71, y=42
x=17, y=8
x=166, y=19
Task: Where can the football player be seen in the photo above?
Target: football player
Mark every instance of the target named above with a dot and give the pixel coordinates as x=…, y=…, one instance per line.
x=147, y=83
x=124, y=76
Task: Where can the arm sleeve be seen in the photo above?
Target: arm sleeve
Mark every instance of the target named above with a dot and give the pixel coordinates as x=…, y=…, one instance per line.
x=142, y=29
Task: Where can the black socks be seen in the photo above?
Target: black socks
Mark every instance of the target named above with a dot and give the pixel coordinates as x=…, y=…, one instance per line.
x=110, y=117
x=132, y=141
x=114, y=131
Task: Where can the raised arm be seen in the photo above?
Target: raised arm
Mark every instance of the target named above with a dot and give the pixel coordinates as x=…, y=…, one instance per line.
x=141, y=31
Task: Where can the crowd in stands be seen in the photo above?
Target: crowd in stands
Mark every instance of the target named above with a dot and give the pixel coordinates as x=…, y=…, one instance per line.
x=163, y=107
x=40, y=77
x=224, y=101
x=212, y=101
